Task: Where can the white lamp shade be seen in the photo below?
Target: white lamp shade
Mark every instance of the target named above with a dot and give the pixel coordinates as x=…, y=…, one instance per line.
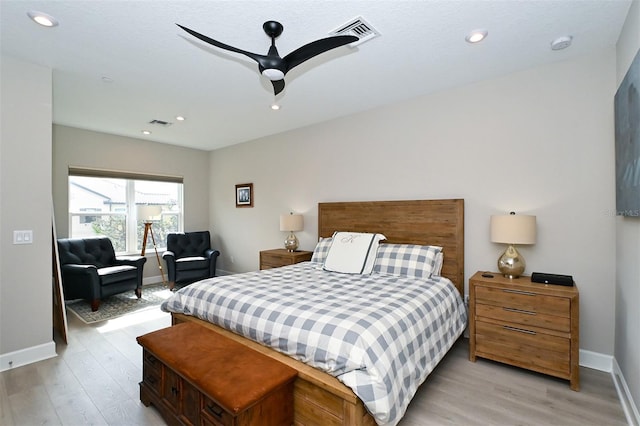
x=148, y=213
x=513, y=229
x=291, y=222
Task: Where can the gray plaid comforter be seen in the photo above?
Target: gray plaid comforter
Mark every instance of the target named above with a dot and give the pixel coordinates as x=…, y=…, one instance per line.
x=380, y=335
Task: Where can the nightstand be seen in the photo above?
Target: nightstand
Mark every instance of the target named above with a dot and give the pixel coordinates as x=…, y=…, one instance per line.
x=282, y=257
x=525, y=324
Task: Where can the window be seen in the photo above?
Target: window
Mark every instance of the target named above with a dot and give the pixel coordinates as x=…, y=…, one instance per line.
x=103, y=203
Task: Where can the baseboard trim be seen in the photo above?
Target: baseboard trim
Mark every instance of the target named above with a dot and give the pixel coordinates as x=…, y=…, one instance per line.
x=596, y=361
x=624, y=394
x=608, y=364
x=27, y=356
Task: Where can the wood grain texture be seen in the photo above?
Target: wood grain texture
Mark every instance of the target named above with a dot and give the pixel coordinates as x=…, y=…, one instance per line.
x=276, y=258
x=529, y=325
x=424, y=222
x=319, y=398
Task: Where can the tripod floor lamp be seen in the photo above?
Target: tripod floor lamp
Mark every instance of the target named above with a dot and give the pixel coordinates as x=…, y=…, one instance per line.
x=148, y=213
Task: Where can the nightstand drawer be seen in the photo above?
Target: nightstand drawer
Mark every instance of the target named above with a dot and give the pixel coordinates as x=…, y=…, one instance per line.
x=280, y=257
x=524, y=317
x=523, y=300
x=271, y=260
x=523, y=347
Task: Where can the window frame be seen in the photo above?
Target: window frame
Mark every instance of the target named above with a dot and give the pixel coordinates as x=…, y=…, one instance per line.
x=131, y=220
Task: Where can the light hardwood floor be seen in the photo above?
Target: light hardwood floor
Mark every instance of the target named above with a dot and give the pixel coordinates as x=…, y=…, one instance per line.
x=94, y=381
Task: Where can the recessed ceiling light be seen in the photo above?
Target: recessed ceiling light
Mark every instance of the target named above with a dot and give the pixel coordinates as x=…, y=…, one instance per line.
x=275, y=107
x=42, y=19
x=146, y=132
x=180, y=118
x=476, y=36
x=561, y=43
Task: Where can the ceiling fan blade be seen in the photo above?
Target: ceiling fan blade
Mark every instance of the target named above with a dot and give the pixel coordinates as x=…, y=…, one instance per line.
x=260, y=59
x=278, y=86
x=315, y=48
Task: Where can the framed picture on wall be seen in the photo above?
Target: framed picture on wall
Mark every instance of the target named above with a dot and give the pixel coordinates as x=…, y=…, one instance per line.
x=627, y=121
x=244, y=195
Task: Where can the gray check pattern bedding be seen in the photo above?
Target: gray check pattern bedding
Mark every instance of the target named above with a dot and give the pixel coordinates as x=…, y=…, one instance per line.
x=380, y=335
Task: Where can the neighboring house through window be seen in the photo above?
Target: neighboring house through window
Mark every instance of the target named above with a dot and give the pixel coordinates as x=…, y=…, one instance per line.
x=109, y=203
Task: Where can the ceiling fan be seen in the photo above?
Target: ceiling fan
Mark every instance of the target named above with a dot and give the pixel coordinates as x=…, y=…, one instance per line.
x=272, y=65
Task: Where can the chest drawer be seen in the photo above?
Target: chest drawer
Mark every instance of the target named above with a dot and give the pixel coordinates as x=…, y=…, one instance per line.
x=524, y=347
x=525, y=318
x=214, y=414
x=523, y=301
x=152, y=372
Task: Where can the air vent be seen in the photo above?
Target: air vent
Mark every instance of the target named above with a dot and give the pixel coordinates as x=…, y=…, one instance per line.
x=160, y=123
x=359, y=28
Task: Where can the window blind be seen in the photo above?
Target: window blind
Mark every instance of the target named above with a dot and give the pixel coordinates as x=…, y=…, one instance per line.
x=120, y=174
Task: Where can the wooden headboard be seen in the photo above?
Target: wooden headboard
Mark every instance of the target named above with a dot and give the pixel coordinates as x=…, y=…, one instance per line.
x=424, y=222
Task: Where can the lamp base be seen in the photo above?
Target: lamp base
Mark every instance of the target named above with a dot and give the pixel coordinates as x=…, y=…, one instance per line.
x=291, y=243
x=511, y=264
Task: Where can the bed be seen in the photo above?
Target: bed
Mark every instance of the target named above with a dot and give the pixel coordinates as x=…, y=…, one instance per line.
x=319, y=397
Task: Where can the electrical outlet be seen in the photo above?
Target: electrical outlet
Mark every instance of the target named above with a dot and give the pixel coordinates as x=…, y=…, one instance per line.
x=232, y=259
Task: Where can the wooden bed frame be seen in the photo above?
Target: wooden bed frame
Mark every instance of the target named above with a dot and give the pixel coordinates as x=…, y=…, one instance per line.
x=319, y=398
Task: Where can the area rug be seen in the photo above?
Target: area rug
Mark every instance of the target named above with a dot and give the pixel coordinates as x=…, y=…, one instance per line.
x=120, y=304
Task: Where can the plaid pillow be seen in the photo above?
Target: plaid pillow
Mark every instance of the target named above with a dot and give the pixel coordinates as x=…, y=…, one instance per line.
x=321, y=250
x=407, y=260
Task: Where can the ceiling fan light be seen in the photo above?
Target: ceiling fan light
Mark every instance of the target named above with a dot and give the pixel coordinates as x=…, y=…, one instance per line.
x=273, y=74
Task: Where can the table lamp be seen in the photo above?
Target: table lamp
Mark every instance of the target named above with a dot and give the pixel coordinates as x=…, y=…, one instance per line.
x=512, y=229
x=291, y=223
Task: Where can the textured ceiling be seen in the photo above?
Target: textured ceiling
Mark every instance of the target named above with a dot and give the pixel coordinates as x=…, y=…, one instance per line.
x=157, y=71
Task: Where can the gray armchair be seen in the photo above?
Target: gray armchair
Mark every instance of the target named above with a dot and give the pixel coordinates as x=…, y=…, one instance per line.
x=90, y=270
x=189, y=257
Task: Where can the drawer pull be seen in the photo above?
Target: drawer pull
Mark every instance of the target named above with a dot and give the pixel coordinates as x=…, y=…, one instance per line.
x=519, y=330
x=174, y=390
x=519, y=311
x=215, y=410
x=525, y=293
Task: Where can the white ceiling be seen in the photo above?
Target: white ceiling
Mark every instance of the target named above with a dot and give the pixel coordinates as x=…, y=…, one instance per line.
x=159, y=72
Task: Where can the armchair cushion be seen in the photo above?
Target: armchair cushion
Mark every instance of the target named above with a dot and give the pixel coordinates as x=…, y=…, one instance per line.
x=189, y=263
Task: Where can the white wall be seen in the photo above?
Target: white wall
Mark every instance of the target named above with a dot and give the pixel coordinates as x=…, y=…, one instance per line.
x=85, y=148
x=25, y=184
x=627, y=334
x=538, y=142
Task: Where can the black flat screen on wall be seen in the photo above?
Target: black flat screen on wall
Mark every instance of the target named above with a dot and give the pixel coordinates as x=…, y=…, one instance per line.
x=627, y=116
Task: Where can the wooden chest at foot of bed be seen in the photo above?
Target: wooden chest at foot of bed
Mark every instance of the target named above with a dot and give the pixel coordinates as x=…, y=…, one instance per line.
x=194, y=376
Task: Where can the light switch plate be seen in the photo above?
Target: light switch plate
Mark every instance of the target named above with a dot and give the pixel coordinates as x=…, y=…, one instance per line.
x=23, y=237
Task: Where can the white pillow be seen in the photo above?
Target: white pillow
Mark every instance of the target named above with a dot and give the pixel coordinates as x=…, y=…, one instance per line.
x=352, y=252
x=437, y=266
